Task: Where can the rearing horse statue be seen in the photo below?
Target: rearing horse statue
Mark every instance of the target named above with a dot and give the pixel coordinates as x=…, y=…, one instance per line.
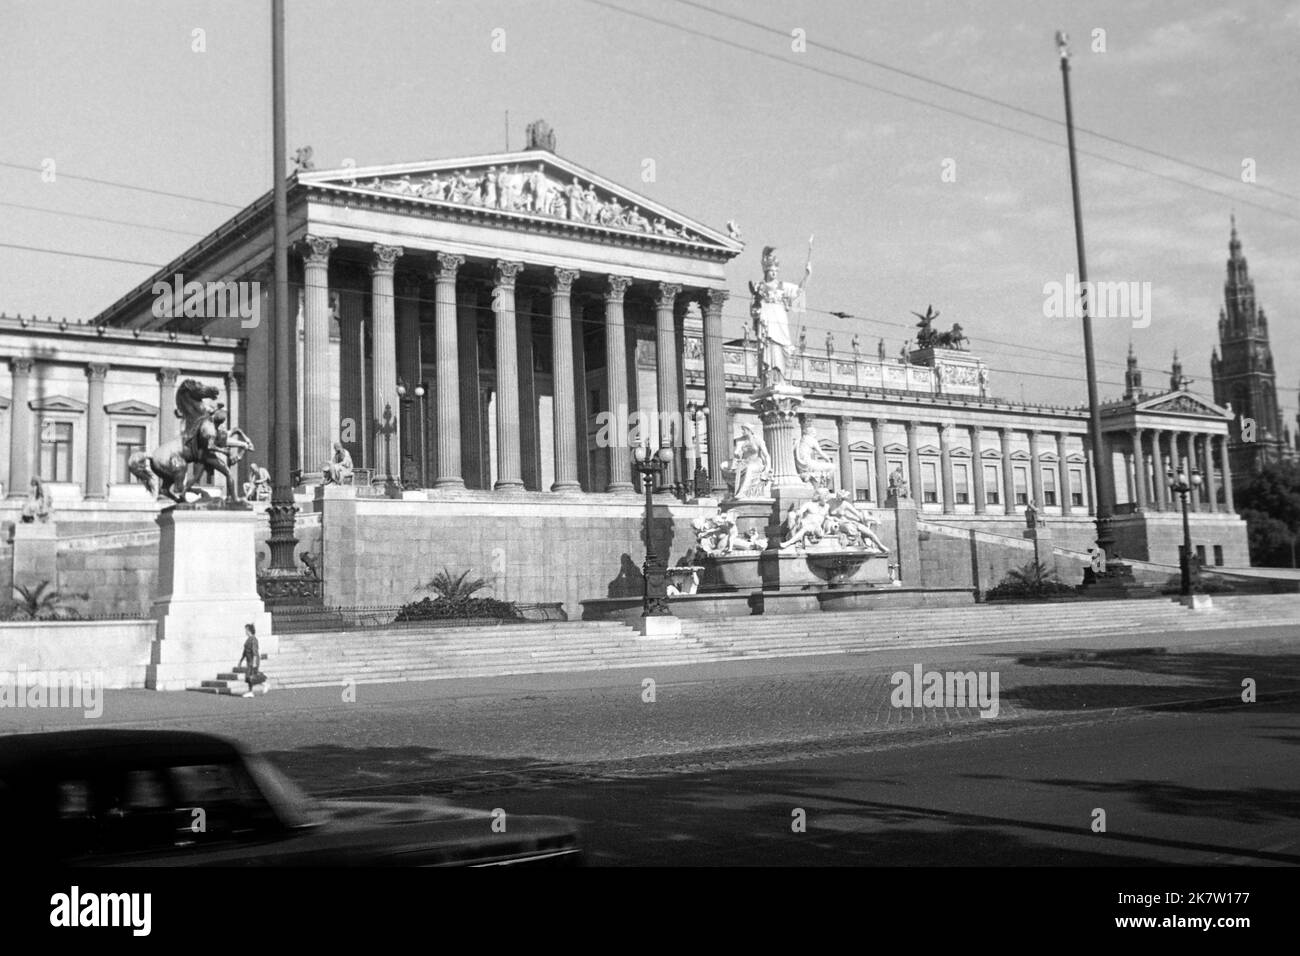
x=205, y=443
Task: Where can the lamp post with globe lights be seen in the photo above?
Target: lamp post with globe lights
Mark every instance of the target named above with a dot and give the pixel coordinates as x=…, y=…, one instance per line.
x=1181, y=485
x=649, y=464
x=410, y=473
x=699, y=475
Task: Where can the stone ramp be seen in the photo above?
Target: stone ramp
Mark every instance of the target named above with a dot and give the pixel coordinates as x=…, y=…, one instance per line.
x=405, y=654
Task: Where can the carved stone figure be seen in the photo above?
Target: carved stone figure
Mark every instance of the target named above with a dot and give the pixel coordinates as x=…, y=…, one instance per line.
x=258, y=486
x=898, y=484
x=751, y=464
x=539, y=135
x=853, y=343
x=984, y=381
x=830, y=344
x=771, y=305
x=852, y=524
x=637, y=221
x=1033, y=516
x=926, y=336
x=38, y=506
x=591, y=205
x=339, y=467
x=733, y=230
x=905, y=354
x=812, y=464
x=806, y=524
x=880, y=350
x=577, y=200
x=713, y=534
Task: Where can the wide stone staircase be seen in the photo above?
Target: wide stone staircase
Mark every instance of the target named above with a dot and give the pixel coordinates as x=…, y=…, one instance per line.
x=371, y=655
x=847, y=633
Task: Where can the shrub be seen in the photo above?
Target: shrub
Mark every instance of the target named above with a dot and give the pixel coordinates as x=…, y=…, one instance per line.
x=455, y=600
x=455, y=588
x=40, y=603
x=1033, y=581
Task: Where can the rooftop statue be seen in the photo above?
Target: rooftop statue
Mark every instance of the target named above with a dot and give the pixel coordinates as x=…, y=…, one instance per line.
x=925, y=338
x=206, y=444
x=772, y=303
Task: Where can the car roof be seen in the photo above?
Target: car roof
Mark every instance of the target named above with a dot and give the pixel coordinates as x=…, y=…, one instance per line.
x=100, y=749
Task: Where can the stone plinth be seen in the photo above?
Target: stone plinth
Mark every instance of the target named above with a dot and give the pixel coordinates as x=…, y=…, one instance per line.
x=207, y=592
x=1041, y=536
x=907, y=550
x=36, y=546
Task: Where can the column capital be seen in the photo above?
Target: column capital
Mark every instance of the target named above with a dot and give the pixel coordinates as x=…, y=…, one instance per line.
x=844, y=421
x=976, y=430
x=22, y=366
x=1033, y=435
x=618, y=286
x=666, y=294
x=712, y=300
x=1004, y=432
x=945, y=429
x=879, y=422
x=168, y=376
x=385, y=259
x=562, y=283
x=97, y=371
x=505, y=272
x=318, y=249
x=448, y=265
x=910, y=425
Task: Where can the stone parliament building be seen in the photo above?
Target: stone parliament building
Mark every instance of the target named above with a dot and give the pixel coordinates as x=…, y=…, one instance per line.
x=476, y=333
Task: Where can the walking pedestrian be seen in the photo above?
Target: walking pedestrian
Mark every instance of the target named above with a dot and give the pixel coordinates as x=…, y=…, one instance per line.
x=253, y=659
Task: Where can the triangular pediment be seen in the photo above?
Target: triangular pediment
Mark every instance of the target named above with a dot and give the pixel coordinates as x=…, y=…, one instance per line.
x=56, y=403
x=1182, y=403
x=959, y=453
x=528, y=185
x=860, y=446
x=990, y=453
x=927, y=450
x=132, y=407
x=894, y=448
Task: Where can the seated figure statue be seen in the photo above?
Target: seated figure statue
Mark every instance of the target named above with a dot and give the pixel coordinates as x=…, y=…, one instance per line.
x=806, y=524
x=37, y=506
x=258, y=486
x=853, y=524
x=751, y=465
x=813, y=465
x=714, y=534
x=339, y=468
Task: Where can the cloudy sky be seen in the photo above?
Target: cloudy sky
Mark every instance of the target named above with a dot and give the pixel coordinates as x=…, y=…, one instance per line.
x=903, y=136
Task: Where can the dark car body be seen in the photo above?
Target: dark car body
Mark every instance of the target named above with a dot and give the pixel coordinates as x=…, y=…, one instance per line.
x=176, y=798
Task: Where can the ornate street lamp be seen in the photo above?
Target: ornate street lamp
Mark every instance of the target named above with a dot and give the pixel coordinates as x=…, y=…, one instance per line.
x=406, y=396
x=1181, y=486
x=649, y=464
x=699, y=476
x=420, y=391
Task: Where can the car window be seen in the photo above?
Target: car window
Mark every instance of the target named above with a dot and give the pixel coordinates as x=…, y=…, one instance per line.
x=221, y=799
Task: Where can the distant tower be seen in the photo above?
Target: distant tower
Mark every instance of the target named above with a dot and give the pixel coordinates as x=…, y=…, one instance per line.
x=1242, y=369
x=1177, y=380
x=1132, y=376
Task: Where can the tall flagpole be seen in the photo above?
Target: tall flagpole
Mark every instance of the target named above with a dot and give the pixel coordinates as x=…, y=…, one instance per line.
x=281, y=511
x=1105, y=506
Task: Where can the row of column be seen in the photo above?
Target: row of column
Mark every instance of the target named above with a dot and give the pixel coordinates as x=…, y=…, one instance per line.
x=1150, y=453
x=319, y=430
x=975, y=435
x=22, y=438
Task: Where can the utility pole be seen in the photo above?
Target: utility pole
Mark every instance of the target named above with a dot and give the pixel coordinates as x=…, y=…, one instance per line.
x=1105, y=504
x=281, y=510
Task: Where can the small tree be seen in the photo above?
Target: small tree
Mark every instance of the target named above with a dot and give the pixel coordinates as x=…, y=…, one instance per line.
x=42, y=602
x=1032, y=580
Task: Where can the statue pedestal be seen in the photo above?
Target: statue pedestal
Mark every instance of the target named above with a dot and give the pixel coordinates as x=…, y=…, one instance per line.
x=36, y=547
x=207, y=592
x=1042, y=538
x=907, y=541
x=778, y=407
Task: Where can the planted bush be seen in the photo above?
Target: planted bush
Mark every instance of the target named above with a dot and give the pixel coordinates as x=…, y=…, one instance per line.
x=1033, y=581
x=454, y=599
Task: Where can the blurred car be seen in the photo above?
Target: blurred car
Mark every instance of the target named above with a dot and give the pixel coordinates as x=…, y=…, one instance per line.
x=173, y=798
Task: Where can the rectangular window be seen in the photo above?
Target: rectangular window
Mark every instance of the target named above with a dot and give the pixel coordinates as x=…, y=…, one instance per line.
x=1049, y=486
x=862, y=479
x=1218, y=555
x=1020, y=478
x=1076, y=487
x=1200, y=554
x=929, y=482
x=130, y=439
x=56, y=451
x=961, y=484
x=992, y=485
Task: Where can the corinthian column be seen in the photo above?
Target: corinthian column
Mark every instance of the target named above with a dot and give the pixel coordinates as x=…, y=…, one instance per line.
x=447, y=357
x=1063, y=475
x=620, y=466
x=563, y=406
x=317, y=427
x=509, y=473
x=715, y=388
x=945, y=469
x=383, y=358
x=96, y=430
x=670, y=414
x=878, y=458
x=846, y=454
x=20, y=428
x=977, y=469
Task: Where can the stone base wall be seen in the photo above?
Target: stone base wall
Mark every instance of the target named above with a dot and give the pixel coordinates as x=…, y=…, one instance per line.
x=1075, y=532
x=533, y=547
x=116, y=652
x=1157, y=536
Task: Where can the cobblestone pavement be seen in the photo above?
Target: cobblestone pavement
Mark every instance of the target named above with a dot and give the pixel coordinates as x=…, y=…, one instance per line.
x=454, y=734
